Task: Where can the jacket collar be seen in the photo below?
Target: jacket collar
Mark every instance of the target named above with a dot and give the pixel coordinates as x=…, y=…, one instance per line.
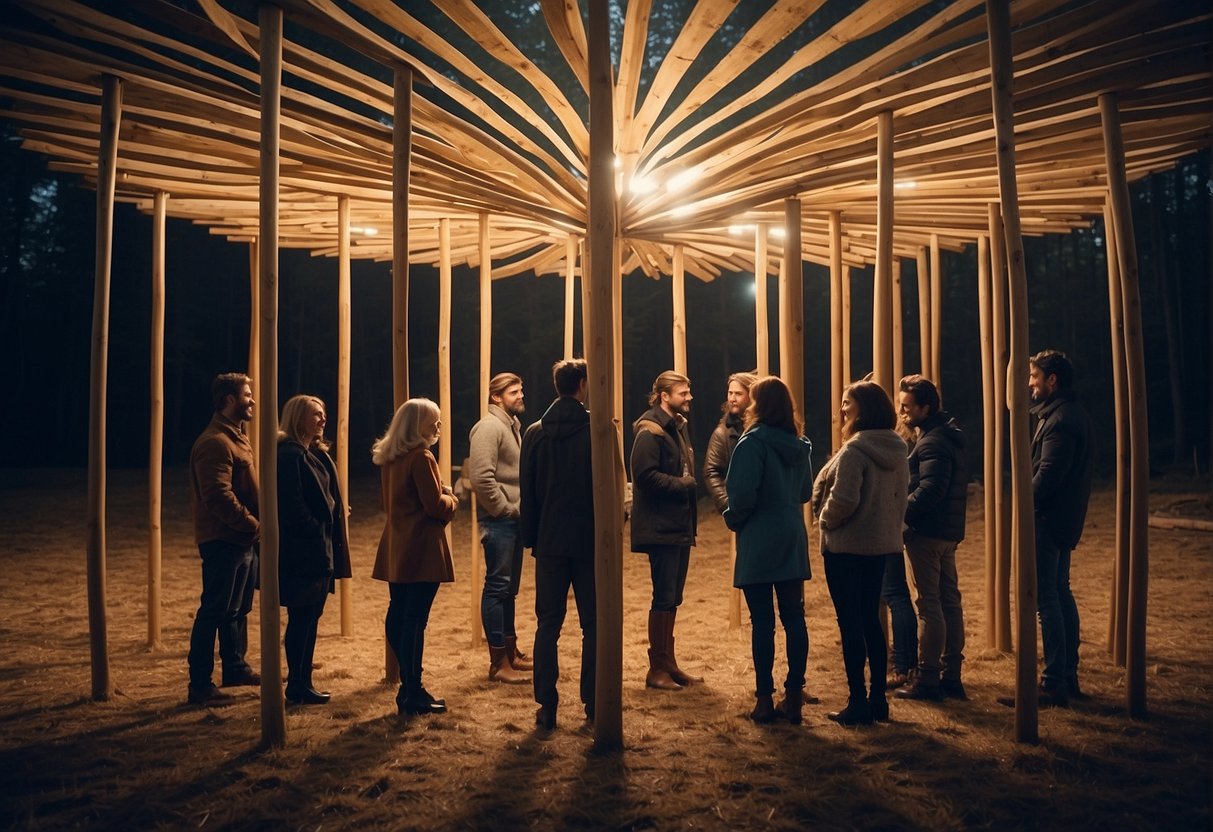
x=506, y=419
x=236, y=429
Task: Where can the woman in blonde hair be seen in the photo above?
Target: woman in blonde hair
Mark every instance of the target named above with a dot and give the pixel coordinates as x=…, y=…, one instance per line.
x=313, y=544
x=413, y=554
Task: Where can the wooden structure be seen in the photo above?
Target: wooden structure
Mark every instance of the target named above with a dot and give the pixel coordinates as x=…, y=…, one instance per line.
x=876, y=118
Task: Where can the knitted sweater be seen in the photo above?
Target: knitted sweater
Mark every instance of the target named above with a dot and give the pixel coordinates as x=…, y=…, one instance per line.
x=496, y=442
x=859, y=497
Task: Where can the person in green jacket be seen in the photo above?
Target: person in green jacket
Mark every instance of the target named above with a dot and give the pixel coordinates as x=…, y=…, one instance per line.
x=770, y=477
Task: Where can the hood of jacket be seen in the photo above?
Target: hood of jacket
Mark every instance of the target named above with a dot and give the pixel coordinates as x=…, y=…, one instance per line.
x=884, y=447
x=565, y=417
x=944, y=426
x=791, y=450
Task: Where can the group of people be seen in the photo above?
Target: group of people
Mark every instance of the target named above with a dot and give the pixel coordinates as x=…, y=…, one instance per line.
x=893, y=495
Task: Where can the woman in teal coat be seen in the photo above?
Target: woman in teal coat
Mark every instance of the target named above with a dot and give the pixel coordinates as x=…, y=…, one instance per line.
x=770, y=477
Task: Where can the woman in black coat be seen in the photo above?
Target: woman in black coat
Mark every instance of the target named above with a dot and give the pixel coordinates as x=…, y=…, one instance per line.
x=313, y=541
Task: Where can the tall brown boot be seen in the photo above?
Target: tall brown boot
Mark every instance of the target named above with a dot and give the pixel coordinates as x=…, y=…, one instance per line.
x=518, y=659
x=660, y=626
x=676, y=673
x=500, y=669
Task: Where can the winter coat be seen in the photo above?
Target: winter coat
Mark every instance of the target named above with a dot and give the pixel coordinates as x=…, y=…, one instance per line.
x=557, y=481
x=223, y=482
x=716, y=461
x=663, y=500
x=860, y=495
x=496, y=442
x=413, y=548
x=312, y=542
x=1062, y=461
x=770, y=477
x=939, y=480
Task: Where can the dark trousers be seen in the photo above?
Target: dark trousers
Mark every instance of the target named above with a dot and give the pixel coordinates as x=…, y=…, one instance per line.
x=299, y=642
x=668, y=567
x=895, y=592
x=790, y=597
x=1057, y=610
x=502, y=575
x=553, y=577
x=855, y=582
x=229, y=573
x=408, y=612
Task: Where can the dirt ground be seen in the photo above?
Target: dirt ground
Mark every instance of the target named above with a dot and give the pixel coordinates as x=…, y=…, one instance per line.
x=147, y=760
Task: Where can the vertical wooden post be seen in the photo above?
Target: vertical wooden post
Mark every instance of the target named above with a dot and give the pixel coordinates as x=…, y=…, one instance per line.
x=475, y=623
x=344, y=595
x=1119, y=606
x=273, y=718
x=679, y=289
x=1004, y=556
x=837, y=274
x=898, y=329
x=847, y=376
x=402, y=149
x=791, y=307
x=936, y=311
x=882, y=324
x=601, y=324
x=252, y=429
x=444, y=351
x=998, y=17
x=924, y=313
x=107, y=173
x=1135, y=386
x=570, y=287
x=988, y=416
x=155, y=443
x=762, y=342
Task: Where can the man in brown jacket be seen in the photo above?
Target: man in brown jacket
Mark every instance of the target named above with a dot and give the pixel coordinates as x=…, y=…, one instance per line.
x=223, y=483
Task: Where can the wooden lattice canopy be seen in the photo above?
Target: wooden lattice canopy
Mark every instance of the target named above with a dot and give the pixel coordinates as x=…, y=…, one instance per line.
x=723, y=109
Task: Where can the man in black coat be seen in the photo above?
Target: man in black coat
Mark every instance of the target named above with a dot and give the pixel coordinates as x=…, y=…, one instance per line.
x=1062, y=462
x=557, y=523
x=726, y=436
x=935, y=524
x=664, y=516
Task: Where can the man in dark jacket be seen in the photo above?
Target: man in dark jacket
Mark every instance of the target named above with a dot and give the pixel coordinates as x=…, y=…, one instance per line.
x=725, y=437
x=664, y=516
x=1062, y=461
x=557, y=524
x=935, y=524
x=223, y=483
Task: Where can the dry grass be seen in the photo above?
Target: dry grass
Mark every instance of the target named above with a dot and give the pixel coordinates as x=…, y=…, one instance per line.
x=145, y=760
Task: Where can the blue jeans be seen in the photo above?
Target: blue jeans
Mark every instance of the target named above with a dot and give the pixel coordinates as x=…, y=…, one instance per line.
x=790, y=597
x=229, y=573
x=896, y=594
x=1057, y=610
x=502, y=573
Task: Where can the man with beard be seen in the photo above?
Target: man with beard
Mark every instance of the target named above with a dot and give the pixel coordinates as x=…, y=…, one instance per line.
x=664, y=516
x=223, y=493
x=724, y=438
x=496, y=443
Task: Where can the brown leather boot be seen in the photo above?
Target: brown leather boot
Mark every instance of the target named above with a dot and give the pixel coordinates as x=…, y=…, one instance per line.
x=660, y=625
x=500, y=669
x=518, y=659
x=676, y=673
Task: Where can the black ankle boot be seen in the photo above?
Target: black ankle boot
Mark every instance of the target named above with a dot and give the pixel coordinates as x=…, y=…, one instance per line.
x=857, y=712
x=306, y=695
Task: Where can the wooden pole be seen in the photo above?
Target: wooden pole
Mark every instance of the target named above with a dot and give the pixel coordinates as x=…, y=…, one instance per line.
x=679, y=289
x=924, y=312
x=837, y=275
x=988, y=416
x=444, y=350
x=155, y=444
x=882, y=306
x=936, y=311
x=791, y=291
x=1004, y=555
x=602, y=332
x=1135, y=389
x=998, y=19
x=475, y=622
x=570, y=288
x=344, y=594
x=273, y=718
x=847, y=376
x=1119, y=606
x=762, y=343
x=254, y=345
x=898, y=330
x=402, y=148
x=107, y=173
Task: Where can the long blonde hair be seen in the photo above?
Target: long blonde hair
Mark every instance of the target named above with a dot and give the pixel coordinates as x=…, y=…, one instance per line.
x=294, y=412
x=406, y=430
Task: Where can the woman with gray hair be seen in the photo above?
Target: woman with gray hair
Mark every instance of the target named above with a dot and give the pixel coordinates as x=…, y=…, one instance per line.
x=313, y=539
x=413, y=555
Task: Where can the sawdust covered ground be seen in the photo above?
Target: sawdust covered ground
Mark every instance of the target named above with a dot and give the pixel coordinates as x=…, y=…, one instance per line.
x=146, y=760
